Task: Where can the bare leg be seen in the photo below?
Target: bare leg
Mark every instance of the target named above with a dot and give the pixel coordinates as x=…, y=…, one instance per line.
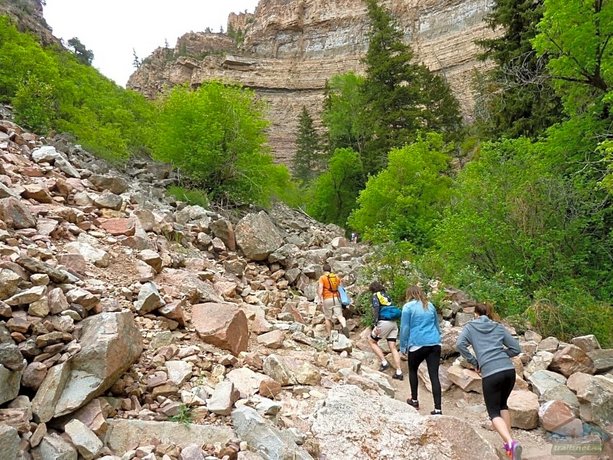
x=500, y=425
x=376, y=349
x=506, y=416
x=395, y=354
x=328, y=324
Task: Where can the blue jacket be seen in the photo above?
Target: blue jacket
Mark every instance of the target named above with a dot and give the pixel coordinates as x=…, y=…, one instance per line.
x=418, y=327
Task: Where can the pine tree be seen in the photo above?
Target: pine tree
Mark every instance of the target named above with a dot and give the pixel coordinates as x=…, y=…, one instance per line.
x=519, y=98
x=307, y=160
x=402, y=98
x=80, y=51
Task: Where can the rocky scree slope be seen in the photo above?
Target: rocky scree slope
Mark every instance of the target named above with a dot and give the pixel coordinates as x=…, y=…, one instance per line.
x=134, y=326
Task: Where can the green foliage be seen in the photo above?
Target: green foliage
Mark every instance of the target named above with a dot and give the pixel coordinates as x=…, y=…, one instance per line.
x=84, y=55
x=401, y=98
x=519, y=99
x=333, y=194
x=190, y=196
x=34, y=104
x=577, y=37
x=51, y=90
x=308, y=158
x=215, y=135
x=184, y=415
x=404, y=201
x=344, y=113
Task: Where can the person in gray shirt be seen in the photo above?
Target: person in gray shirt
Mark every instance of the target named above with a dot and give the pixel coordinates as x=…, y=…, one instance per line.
x=493, y=346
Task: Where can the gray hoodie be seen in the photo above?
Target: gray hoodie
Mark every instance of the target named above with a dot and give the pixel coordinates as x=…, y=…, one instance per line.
x=492, y=343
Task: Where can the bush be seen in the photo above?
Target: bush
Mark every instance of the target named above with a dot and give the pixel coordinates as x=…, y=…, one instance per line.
x=191, y=196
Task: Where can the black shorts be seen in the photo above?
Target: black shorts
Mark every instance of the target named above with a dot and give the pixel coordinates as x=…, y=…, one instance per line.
x=496, y=390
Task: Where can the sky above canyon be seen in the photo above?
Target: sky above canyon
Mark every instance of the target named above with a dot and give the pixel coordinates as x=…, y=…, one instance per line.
x=114, y=29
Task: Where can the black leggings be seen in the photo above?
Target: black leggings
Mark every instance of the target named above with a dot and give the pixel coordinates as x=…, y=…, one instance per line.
x=432, y=355
x=496, y=390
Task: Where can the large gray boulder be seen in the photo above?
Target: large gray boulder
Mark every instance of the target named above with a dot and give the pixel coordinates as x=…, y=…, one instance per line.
x=9, y=441
x=110, y=344
x=257, y=236
x=354, y=424
x=264, y=438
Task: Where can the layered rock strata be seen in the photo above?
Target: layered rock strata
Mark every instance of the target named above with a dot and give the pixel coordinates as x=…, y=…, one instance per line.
x=292, y=47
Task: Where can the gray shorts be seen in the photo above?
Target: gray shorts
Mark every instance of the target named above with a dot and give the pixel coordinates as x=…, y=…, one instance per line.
x=332, y=308
x=388, y=330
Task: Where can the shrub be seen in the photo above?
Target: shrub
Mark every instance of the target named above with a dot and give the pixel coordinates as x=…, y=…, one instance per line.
x=191, y=196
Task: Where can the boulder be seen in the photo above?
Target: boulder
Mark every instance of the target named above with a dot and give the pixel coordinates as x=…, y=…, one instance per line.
x=222, y=229
x=354, y=424
x=602, y=359
x=246, y=381
x=523, y=409
x=54, y=447
x=124, y=434
x=540, y=362
x=113, y=184
x=9, y=384
x=549, y=344
x=543, y=381
x=466, y=379
x=149, y=299
x=9, y=282
x=595, y=393
x=87, y=443
x=586, y=342
x=276, y=368
x=558, y=417
x=257, y=236
x=16, y=214
x=571, y=359
x=265, y=438
x=9, y=441
x=221, y=324
x=119, y=226
x=223, y=398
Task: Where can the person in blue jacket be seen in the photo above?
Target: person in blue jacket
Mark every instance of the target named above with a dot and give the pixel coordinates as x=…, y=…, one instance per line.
x=494, y=347
x=420, y=337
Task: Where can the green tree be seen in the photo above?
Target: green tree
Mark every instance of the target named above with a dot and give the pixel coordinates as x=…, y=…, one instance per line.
x=578, y=38
x=344, y=113
x=519, y=99
x=402, y=98
x=404, y=201
x=215, y=135
x=332, y=195
x=84, y=55
x=308, y=157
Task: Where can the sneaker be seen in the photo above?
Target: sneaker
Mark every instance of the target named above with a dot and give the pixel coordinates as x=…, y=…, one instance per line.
x=384, y=367
x=513, y=450
x=436, y=412
x=413, y=402
x=398, y=376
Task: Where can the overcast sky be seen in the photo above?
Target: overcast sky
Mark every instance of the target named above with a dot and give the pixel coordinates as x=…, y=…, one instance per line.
x=113, y=28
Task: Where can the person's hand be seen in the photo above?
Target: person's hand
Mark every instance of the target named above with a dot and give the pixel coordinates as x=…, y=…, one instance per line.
x=377, y=330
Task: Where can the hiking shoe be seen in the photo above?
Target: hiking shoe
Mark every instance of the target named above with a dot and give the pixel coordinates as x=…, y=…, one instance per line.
x=436, y=412
x=413, y=402
x=398, y=376
x=384, y=367
x=513, y=450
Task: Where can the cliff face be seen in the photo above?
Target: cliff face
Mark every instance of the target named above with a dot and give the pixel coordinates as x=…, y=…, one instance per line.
x=28, y=15
x=289, y=48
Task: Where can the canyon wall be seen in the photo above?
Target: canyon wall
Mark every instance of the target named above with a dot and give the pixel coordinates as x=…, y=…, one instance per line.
x=289, y=48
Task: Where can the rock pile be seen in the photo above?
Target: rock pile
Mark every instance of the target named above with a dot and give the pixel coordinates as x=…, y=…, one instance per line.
x=135, y=326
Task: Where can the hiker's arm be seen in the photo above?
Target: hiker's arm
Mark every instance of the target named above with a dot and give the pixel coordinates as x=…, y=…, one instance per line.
x=438, y=326
x=320, y=291
x=405, y=329
x=513, y=348
x=462, y=346
x=376, y=307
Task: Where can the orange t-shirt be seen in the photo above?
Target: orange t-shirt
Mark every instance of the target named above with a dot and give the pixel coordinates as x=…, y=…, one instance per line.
x=328, y=293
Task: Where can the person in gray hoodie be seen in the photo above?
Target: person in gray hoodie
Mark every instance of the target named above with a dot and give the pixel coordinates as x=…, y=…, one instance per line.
x=493, y=346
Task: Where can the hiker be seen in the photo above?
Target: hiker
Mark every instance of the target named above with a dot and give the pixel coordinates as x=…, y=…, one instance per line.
x=494, y=347
x=384, y=328
x=329, y=299
x=420, y=338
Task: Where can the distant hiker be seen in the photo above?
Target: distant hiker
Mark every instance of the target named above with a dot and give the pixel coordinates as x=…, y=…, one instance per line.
x=420, y=337
x=329, y=298
x=494, y=347
x=384, y=327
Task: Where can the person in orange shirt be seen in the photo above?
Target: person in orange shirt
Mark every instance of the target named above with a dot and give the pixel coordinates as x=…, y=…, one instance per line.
x=329, y=299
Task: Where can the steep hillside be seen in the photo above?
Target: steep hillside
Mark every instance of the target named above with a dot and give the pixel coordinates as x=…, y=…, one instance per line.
x=135, y=326
x=291, y=47
x=28, y=15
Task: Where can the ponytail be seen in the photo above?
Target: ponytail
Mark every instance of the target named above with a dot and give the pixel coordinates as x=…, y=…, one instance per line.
x=416, y=293
x=486, y=309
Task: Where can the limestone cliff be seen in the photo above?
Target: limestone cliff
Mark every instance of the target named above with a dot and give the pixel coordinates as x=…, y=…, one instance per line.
x=28, y=15
x=289, y=48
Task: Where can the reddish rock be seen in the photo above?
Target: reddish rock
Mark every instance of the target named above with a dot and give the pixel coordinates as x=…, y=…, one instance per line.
x=523, y=409
x=16, y=214
x=119, y=226
x=571, y=359
x=269, y=388
x=174, y=311
x=221, y=324
x=273, y=339
x=38, y=193
x=558, y=417
x=466, y=379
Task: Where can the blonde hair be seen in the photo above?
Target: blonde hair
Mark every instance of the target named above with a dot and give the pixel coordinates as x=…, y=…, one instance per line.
x=417, y=293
